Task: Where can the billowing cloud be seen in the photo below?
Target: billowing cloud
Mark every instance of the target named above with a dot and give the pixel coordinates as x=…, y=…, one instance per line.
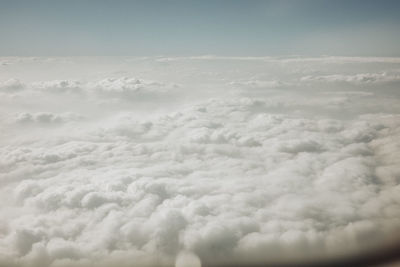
x=215, y=177
x=11, y=85
x=58, y=86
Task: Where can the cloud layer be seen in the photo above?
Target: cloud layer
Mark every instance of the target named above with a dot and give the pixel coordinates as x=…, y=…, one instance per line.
x=211, y=165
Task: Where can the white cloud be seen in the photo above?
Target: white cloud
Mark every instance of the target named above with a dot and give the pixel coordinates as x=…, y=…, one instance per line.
x=46, y=118
x=362, y=78
x=290, y=59
x=59, y=86
x=232, y=178
x=130, y=88
x=11, y=85
x=258, y=84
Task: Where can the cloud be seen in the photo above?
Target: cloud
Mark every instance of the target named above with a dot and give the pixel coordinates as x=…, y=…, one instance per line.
x=290, y=59
x=258, y=84
x=128, y=88
x=362, y=78
x=11, y=86
x=161, y=201
x=59, y=86
x=109, y=90
x=46, y=118
x=232, y=178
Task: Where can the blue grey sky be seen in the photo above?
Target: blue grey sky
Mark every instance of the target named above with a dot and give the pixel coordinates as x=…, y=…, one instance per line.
x=186, y=27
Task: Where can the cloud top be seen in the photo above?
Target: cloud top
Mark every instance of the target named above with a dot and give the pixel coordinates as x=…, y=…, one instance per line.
x=250, y=174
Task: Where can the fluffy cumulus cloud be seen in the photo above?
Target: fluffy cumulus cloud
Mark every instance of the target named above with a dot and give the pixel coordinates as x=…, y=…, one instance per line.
x=121, y=171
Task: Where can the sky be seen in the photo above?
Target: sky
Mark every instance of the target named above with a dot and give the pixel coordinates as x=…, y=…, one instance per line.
x=180, y=28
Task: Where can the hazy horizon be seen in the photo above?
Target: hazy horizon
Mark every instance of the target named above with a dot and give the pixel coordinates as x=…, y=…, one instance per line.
x=173, y=28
